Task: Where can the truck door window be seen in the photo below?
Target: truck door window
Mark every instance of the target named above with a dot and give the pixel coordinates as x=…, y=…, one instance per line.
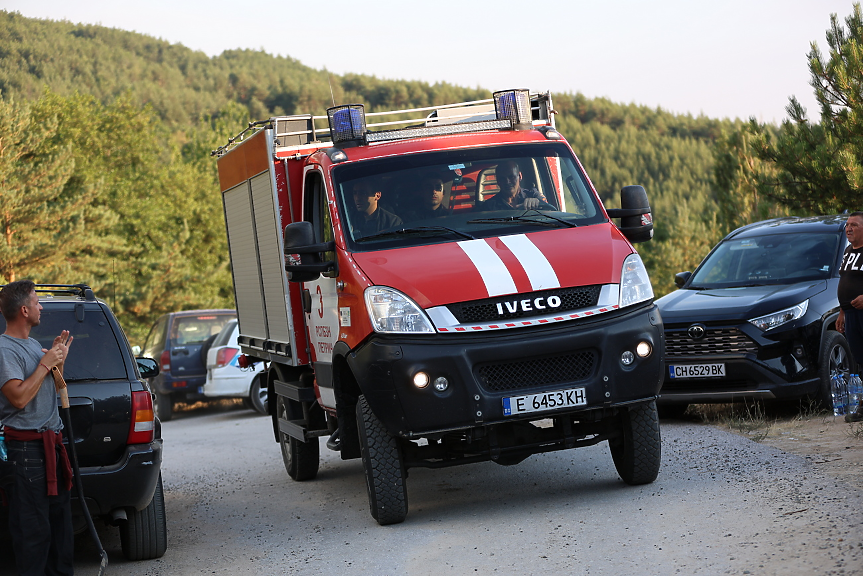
x=316, y=211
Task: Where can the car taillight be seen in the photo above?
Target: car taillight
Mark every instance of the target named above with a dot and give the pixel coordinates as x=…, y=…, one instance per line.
x=165, y=360
x=143, y=425
x=224, y=356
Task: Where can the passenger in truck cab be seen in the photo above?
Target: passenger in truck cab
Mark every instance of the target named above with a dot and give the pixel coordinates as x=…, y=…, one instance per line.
x=511, y=196
x=427, y=200
x=370, y=218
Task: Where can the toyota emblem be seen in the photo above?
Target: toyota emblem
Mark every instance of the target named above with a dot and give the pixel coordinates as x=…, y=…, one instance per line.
x=696, y=331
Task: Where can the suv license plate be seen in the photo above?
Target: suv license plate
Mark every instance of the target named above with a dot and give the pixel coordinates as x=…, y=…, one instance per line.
x=547, y=401
x=697, y=371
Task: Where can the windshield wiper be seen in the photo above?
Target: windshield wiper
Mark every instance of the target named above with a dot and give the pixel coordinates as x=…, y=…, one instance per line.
x=431, y=230
x=526, y=218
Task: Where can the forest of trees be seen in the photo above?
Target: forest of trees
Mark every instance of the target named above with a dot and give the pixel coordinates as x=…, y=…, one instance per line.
x=106, y=175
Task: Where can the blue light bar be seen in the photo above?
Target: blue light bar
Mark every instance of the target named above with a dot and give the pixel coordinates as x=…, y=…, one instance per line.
x=347, y=123
x=515, y=106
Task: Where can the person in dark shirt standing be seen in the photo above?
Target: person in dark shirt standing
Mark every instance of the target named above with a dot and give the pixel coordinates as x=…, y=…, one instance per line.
x=850, y=295
x=371, y=218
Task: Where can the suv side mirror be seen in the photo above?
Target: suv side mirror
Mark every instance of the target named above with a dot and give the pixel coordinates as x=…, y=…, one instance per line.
x=147, y=367
x=299, y=238
x=680, y=278
x=636, y=219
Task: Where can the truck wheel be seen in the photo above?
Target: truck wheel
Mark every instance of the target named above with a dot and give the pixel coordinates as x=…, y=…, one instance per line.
x=164, y=406
x=301, y=458
x=258, y=395
x=144, y=535
x=637, y=452
x=383, y=466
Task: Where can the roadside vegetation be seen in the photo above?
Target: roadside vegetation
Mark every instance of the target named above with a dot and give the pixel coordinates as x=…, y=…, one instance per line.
x=106, y=176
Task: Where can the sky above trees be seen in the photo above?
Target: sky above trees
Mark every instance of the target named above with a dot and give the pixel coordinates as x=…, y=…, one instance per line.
x=736, y=58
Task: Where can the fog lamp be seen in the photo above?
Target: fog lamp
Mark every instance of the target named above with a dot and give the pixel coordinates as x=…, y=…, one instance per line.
x=643, y=349
x=627, y=358
x=441, y=384
x=421, y=379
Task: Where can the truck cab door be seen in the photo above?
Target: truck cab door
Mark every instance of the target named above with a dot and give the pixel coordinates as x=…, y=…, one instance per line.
x=322, y=313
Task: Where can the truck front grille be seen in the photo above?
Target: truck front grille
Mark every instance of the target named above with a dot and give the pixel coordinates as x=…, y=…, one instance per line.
x=519, y=374
x=678, y=343
x=479, y=311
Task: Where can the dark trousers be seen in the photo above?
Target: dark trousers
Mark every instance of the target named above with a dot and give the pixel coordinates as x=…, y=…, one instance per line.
x=41, y=525
x=854, y=335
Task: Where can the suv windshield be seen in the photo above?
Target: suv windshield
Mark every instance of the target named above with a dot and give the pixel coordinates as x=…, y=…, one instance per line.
x=462, y=194
x=197, y=329
x=769, y=259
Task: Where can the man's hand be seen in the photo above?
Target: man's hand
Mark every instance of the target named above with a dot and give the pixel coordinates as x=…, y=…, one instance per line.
x=840, y=321
x=531, y=203
x=56, y=356
x=858, y=302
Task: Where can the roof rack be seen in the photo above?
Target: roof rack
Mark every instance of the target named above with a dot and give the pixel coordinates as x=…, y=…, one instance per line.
x=79, y=290
x=300, y=130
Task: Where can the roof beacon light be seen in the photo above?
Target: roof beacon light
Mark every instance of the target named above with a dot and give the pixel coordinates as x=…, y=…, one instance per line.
x=347, y=124
x=515, y=106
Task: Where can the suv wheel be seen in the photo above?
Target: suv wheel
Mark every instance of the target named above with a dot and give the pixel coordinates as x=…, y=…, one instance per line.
x=144, y=535
x=637, y=452
x=164, y=406
x=384, y=468
x=835, y=357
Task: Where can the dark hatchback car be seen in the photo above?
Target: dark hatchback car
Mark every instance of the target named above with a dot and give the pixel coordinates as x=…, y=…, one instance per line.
x=180, y=342
x=756, y=320
x=118, y=440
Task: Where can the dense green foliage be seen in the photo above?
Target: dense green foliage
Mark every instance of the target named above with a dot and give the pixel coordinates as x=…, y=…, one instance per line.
x=805, y=166
x=118, y=127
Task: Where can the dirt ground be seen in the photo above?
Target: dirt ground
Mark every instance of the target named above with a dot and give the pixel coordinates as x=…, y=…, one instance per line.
x=830, y=444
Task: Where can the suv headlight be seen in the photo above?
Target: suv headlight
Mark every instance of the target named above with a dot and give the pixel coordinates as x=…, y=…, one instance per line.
x=781, y=317
x=634, y=283
x=393, y=312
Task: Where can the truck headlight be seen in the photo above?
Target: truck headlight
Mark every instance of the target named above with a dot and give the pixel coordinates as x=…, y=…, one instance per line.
x=634, y=283
x=393, y=312
x=779, y=318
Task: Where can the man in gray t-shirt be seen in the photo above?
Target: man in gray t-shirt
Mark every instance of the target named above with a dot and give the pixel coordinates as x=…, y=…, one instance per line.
x=40, y=514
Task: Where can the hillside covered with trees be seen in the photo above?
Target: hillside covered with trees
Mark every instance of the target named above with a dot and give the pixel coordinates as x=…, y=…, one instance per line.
x=106, y=175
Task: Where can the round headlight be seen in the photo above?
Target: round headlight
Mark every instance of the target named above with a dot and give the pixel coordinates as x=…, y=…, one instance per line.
x=421, y=379
x=627, y=358
x=441, y=384
x=643, y=349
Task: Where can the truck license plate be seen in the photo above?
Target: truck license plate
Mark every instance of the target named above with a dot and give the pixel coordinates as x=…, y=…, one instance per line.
x=547, y=401
x=697, y=371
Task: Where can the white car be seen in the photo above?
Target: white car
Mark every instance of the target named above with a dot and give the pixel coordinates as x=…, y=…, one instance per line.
x=225, y=378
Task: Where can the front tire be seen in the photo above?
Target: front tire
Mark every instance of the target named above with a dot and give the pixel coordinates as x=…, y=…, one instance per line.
x=144, y=534
x=384, y=468
x=637, y=453
x=835, y=357
x=301, y=459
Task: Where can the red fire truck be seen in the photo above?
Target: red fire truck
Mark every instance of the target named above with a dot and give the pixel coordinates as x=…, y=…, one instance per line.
x=440, y=287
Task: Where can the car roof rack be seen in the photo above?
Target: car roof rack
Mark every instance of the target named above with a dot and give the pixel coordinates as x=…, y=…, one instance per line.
x=79, y=290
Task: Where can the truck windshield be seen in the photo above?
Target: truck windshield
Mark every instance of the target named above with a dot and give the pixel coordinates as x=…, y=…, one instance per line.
x=769, y=259
x=465, y=193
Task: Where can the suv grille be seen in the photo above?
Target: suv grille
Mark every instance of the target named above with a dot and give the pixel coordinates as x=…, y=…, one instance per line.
x=486, y=310
x=537, y=372
x=678, y=344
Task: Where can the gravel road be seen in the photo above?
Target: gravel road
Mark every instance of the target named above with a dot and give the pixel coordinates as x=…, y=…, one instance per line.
x=722, y=505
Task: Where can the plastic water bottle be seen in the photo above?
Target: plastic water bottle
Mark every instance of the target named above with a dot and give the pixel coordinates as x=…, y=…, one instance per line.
x=855, y=392
x=839, y=393
x=3, y=454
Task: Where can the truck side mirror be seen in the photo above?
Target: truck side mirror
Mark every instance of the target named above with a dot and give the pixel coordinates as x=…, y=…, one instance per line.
x=680, y=278
x=636, y=219
x=299, y=239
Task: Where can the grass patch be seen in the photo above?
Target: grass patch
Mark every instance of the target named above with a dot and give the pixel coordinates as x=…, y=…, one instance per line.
x=749, y=419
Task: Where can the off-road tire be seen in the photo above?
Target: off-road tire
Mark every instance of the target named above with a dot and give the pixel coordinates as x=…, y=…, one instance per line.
x=384, y=468
x=301, y=459
x=164, y=406
x=258, y=395
x=835, y=357
x=144, y=534
x=637, y=453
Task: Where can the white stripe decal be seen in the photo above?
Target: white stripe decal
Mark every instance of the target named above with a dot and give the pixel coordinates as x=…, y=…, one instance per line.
x=538, y=268
x=495, y=276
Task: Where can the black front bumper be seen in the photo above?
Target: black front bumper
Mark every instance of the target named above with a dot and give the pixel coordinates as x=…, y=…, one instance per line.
x=484, y=368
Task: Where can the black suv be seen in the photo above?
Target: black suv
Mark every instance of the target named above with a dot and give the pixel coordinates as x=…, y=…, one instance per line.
x=180, y=341
x=117, y=438
x=757, y=318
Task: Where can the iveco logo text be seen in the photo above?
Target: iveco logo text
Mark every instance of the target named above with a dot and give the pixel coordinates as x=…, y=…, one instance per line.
x=528, y=305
